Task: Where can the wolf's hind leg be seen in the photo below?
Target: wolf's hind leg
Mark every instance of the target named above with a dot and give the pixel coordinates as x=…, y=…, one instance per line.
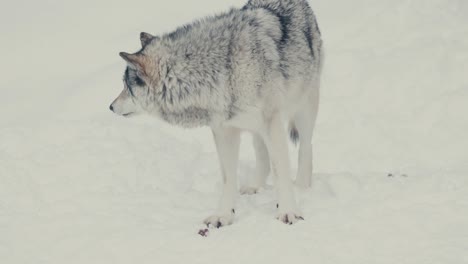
x=227, y=144
x=276, y=141
x=262, y=167
x=305, y=122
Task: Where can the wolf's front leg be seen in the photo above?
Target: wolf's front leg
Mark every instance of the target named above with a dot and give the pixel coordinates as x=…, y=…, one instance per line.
x=262, y=168
x=227, y=144
x=276, y=142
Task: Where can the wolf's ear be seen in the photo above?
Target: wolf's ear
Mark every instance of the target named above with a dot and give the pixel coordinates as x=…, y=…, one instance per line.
x=138, y=61
x=145, y=38
x=134, y=59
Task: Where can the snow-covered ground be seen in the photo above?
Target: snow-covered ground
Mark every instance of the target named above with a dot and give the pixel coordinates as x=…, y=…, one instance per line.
x=81, y=185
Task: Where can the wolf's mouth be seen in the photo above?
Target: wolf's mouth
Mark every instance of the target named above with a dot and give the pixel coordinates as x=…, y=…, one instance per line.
x=128, y=114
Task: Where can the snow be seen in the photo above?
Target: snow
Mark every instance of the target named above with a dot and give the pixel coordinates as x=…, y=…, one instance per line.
x=81, y=185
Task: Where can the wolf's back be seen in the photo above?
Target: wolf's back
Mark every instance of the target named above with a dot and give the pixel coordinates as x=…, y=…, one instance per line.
x=283, y=7
x=293, y=12
x=297, y=21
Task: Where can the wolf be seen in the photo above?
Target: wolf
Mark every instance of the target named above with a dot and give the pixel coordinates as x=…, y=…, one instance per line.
x=255, y=68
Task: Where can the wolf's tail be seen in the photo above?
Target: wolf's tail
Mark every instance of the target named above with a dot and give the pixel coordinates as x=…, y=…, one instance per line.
x=293, y=133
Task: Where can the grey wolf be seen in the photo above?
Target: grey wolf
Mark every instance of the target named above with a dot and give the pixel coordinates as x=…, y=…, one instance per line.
x=253, y=69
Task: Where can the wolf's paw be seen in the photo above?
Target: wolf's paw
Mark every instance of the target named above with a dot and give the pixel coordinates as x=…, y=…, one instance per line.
x=289, y=218
x=249, y=190
x=219, y=220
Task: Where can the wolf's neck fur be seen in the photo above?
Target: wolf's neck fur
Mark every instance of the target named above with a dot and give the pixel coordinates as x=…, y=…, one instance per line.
x=194, y=73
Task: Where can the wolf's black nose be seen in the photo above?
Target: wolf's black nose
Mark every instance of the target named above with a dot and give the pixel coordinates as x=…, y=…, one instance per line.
x=111, y=108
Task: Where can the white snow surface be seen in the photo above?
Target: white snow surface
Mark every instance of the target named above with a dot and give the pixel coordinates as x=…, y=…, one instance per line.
x=79, y=184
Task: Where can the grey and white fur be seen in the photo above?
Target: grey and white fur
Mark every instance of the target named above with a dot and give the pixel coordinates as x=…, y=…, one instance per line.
x=256, y=69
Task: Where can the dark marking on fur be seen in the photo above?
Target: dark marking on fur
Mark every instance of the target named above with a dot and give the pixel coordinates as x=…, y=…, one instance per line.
x=310, y=18
x=145, y=38
x=139, y=81
x=164, y=92
x=253, y=22
x=284, y=21
x=308, y=36
x=127, y=81
x=132, y=79
x=126, y=74
x=294, y=135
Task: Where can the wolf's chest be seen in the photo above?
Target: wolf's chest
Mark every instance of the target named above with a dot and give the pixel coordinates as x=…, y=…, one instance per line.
x=187, y=117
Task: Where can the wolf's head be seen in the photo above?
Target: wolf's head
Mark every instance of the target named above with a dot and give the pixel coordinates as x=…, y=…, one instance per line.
x=140, y=75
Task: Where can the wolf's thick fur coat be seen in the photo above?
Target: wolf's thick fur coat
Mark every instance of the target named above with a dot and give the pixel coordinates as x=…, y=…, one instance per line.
x=255, y=68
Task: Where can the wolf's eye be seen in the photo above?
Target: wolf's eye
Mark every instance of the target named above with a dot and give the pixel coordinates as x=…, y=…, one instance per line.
x=139, y=81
